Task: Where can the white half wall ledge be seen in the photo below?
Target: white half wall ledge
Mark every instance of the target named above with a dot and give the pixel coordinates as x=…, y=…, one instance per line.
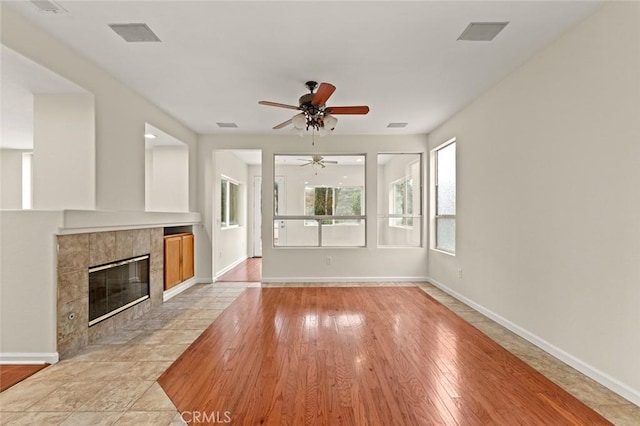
x=9, y=358
x=604, y=379
x=344, y=279
x=76, y=221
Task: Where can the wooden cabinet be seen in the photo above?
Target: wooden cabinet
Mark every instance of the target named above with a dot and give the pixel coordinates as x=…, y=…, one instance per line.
x=187, y=257
x=178, y=259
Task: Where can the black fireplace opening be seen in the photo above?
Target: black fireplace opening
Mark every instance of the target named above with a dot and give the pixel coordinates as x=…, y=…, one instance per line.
x=116, y=286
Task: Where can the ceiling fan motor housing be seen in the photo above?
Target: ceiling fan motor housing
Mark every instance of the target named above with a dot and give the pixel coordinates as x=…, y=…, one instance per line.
x=305, y=100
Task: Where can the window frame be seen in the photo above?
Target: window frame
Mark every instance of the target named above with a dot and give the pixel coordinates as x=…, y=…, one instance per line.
x=362, y=218
x=27, y=181
x=434, y=198
x=225, y=213
x=402, y=216
x=330, y=220
x=420, y=200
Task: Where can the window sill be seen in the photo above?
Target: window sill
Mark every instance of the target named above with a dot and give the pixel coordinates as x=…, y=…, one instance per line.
x=334, y=224
x=224, y=228
x=317, y=247
x=401, y=227
x=452, y=254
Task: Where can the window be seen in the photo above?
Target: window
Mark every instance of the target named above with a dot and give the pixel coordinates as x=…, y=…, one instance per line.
x=445, y=197
x=321, y=202
x=328, y=201
x=27, y=186
x=401, y=202
x=229, y=199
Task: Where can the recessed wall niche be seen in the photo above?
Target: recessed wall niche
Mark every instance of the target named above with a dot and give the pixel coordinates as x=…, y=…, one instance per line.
x=166, y=172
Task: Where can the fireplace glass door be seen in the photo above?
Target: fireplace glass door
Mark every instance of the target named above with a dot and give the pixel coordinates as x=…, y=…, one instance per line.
x=117, y=286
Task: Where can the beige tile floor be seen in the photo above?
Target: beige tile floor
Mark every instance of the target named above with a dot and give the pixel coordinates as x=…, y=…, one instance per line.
x=113, y=382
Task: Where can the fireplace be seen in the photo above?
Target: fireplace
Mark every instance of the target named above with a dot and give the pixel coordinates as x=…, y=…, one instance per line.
x=116, y=286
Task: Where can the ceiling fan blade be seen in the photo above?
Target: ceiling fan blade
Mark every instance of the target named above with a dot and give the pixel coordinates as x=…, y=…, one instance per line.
x=276, y=104
x=283, y=124
x=329, y=162
x=360, y=109
x=322, y=94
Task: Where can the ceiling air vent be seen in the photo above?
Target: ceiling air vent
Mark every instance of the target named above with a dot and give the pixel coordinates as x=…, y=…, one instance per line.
x=482, y=31
x=396, y=125
x=48, y=6
x=227, y=125
x=134, y=33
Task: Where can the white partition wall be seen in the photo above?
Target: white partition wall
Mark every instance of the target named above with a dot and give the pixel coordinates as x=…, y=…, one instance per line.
x=369, y=263
x=64, y=162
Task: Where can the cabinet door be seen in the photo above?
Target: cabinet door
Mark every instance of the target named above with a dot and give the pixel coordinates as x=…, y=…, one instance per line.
x=172, y=261
x=187, y=256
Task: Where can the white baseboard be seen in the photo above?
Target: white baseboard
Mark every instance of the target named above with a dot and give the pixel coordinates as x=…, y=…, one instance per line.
x=341, y=279
x=28, y=358
x=604, y=379
x=230, y=267
x=175, y=290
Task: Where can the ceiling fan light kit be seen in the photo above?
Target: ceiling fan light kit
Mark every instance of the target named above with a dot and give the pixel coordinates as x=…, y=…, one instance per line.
x=315, y=115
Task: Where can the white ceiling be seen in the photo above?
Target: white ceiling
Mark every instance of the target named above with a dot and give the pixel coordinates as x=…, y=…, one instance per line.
x=218, y=59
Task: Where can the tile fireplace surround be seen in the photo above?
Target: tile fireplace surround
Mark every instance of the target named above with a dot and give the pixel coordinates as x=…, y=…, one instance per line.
x=76, y=254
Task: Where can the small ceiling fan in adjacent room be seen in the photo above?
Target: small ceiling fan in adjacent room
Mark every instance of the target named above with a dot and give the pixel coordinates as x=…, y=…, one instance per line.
x=317, y=160
x=315, y=115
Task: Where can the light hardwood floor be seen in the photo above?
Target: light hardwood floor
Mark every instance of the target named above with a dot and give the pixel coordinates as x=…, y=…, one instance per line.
x=357, y=356
x=248, y=271
x=12, y=374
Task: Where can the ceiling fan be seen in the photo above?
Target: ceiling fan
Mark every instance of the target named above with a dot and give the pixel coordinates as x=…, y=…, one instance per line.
x=317, y=160
x=315, y=114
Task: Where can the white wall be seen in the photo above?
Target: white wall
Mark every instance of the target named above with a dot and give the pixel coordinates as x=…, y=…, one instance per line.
x=548, y=198
x=10, y=179
x=231, y=243
x=295, y=264
x=28, y=290
x=63, y=151
x=120, y=116
x=167, y=179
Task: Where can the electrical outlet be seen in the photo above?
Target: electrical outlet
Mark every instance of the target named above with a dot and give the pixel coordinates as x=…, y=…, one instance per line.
x=460, y=273
x=328, y=260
